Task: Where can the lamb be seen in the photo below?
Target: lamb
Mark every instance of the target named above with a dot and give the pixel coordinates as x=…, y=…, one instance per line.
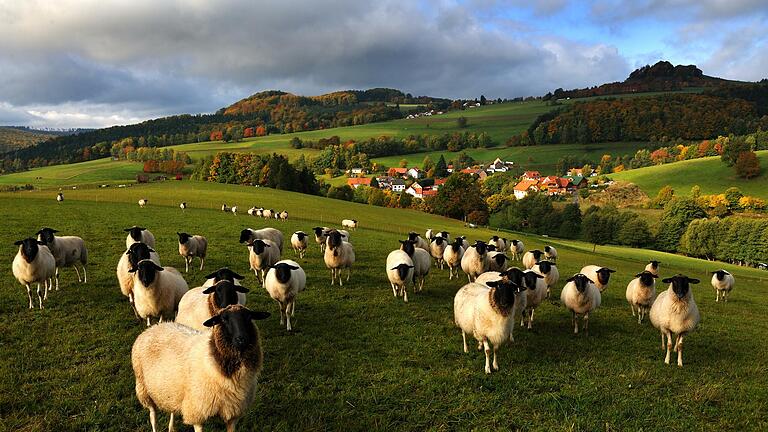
x=487, y=312
x=252, y=211
x=234, y=210
x=531, y=258
x=321, y=235
x=475, y=260
x=200, y=375
x=263, y=234
x=137, y=252
x=598, y=275
x=418, y=241
x=399, y=268
x=68, y=251
x=722, y=282
x=285, y=280
x=550, y=253
x=549, y=271
x=60, y=197
x=201, y=303
x=143, y=202
x=34, y=263
x=675, y=311
x=183, y=206
x=437, y=250
x=299, y=243
x=283, y=216
x=139, y=235
x=653, y=267
x=338, y=255
x=349, y=223
x=191, y=246
x=452, y=257
x=641, y=291
x=517, y=248
x=261, y=255
x=581, y=297
x=157, y=290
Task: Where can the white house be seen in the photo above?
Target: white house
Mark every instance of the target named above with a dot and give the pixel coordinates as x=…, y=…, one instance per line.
x=398, y=185
x=416, y=190
x=415, y=173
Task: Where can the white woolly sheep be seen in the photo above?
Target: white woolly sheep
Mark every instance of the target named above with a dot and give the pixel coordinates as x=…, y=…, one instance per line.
x=675, y=311
x=143, y=202
x=191, y=246
x=422, y=262
x=68, y=251
x=475, y=260
x=261, y=255
x=349, y=223
x=723, y=283
x=234, y=210
x=252, y=211
x=497, y=261
x=429, y=235
x=653, y=267
x=183, y=206
x=139, y=235
x=299, y=243
x=285, y=280
x=537, y=291
x=528, y=282
x=517, y=248
x=418, y=241
x=267, y=213
x=225, y=208
x=201, y=303
x=581, y=297
x=641, y=291
x=283, y=216
x=321, y=235
x=550, y=253
x=531, y=258
x=200, y=375
x=500, y=243
x=60, y=197
x=338, y=255
x=598, y=275
x=549, y=271
x=437, y=250
x=157, y=290
x=34, y=263
x=137, y=252
x=263, y=234
x=399, y=268
x=452, y=257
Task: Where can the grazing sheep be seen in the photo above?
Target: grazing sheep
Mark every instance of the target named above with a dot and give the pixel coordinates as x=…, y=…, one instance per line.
x=191, y=246
x=263, y=234
x=201, y=303
x=234, y=210
x=641, y=291
x=276, y=215
x=675, y=311
x=200, y=375
x=225, y=208
x=267, y=213
x=139, y=235
x=283, y=216
x=262, y=254
x=183, y=206
x=285, y=280
x=60, y=197
x=143, y=202
x=531, y=258
x=497, y=261
x=157, y=290
x=537, y=291
x=550, y=253
x=299, y=243
x=475, y=260
x=580, y=296
x=418, y=241
x=259, y=212
x=338, y=255
x=722, y=282
x=517, y=248
x=399, y=270
x=487, y=313
x=34, y=263
x=437, y=250
x=452, y=257
x=598, y=275
x=321, y=235
x=653, y=267
x=549, y=271
x=68, y=251
x=349, y=223
x=137, y=252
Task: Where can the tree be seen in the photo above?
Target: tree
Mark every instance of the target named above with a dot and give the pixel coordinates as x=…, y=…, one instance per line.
x=403, y=163
x=733, y=195
x=459, y=196
x=376, y=197
x=733, y=148
x=665, y=195
x=483, y=101
x=441, y=168
x=571, y=222
x=678, y=213
x=461, y=122
x=427, y=163
x=635, y=232
x=747, y=165
x=405, y=200
x=341, y=192
x=597, y=229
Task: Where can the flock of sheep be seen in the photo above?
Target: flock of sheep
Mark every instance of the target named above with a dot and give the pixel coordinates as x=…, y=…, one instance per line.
x=203, y=357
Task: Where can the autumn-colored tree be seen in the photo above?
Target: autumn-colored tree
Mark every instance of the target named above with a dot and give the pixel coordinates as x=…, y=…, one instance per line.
x=747, y=165
x=248, y=132
x=217, y=135
x=261, y=130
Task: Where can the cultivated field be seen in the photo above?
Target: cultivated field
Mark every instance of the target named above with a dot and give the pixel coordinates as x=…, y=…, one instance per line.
x=360, y=359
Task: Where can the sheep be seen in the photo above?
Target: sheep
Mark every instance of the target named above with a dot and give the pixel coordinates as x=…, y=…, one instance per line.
x=550, y=253
x=60, y=197
x=722, y=282
x=349, y=223
x=497, y=261
x=452, y=257
x=344, y=234
x=517, y=248
x=399, y=268
x=531, y=258
x=675, y=311
x=224, y=274
x=338, y=255
x=528, y=281
x=135, y=253
x=299, y=243
x=549, y=271
x=487, y=312
x=234, y=210
x=261, y=255
x=276, y=215
x=422, y=262
x=598, y=275
x=183, y=206
x=156, y=290
x=537, y=291
x=500, y=243
x=252, y=211
x=285, y=280
x=201, y=303
x=641, y=291
x=437, y=250
x=143, y=202
x=464, y=242
x=259, y=212
x=200, y=375
x=139, y=235
x=68, y=251
x=580, y=296
x=225, y=208
x=429, y=235
x=191, y=246
x=418, y=241
x=475, y=260
x=263, y=234
x=321, y=235
x=653, y=267
x=283, y=216
x=34, y=263
x=267, y=214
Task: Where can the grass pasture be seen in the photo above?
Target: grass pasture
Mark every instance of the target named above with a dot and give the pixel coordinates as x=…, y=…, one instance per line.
x=96, y=171
x=359, y=359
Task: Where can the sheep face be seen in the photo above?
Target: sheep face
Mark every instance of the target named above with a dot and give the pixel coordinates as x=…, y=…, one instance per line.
x=494, y=238
x=514, y=275
x=236, y=328
x=530, y=278
x=225, y=293
x=537, y=254
x=481, y=247
x=680, y=284
x=547, y=249
x=457, y=244
x=646, y=277
x=581, y=281
x=413, y=236
x=334, y=239
x=545, y=266
x=604, y=275
x=29, y=248
x=500, y=259
x=283, y=272
x=402, y=270
x=301, y=235
x=47, y=235
x=720, y=274
x=318, y=231
x=183, y=237
x=515, y=242
x=138, y=252
x=654, y=264
x=147, y=270
x=438, y=241
x=135, y=232
x=246, y=235
x=258, y=246
x=408, y=247
x=490, y=248
x=504, y=294
x=444, y=234
x=224, y=274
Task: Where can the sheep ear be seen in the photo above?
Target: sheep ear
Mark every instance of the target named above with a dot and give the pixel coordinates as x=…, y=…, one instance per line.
x=40, y=243
x=492, y=283
x=611, y=271
x=210, y=289
x=157, y=267
x=266, y=245
x=668, y=280
x=212, y=321
x=241, y=289
x=128, y=252
x=292, y=267
x=403, y=241
x=712, y=272
x=133, y=270
x=127, y=229
x=19, y=243
x=655, y=276
x=693, y=281
x=237, y=276
x=53, y=230
x=571, y=279
x=255, y=315
x=639, y=274
x=538, y=276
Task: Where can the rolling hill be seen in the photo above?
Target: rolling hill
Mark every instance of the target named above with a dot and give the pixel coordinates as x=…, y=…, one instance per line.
x=15, y=138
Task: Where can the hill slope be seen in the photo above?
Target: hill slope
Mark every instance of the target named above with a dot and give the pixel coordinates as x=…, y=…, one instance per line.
x=14, y=138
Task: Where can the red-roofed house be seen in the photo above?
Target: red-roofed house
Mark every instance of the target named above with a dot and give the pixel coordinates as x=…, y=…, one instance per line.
x=356, y=182
x=475, y=172
x=397, y=172
x=531, y=175
x=415, y=190
x=525, y=186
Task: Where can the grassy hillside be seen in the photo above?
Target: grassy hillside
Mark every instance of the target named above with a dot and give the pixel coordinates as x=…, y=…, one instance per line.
x=359, y=358
x=95, y=171
x=711, y=174
x=12, y=139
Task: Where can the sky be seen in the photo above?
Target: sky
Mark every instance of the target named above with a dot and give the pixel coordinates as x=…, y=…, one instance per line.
x=97, y=63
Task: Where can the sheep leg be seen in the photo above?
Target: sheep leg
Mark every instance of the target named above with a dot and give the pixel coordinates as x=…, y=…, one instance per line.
x=202, y=262
x=717, y=295
x=405, y=293
x=679, y=349
x=148, y=323
x=78, y=273
x=282, y=313
x=288, y=317
x=293, y=306
x=153, y=418
x=495, y=363
x=170, y=424
x=29, y=294
x=231, y=425
x=669, y=347
x=39, y=297
x=186, y=265
x=633, y=309
x=56, y=275
x=530, y=319
x=349, y=273
x=487, y=356
x=85, y=275
x=575, y=324
x=586, y=323
x=464, y=339
x=198, y=428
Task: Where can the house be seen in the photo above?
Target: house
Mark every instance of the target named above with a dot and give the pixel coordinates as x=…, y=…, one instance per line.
x=415, y=172
x=580, y=172
x=554, y=185
x=525, y=186
x=481, y=174
x=450, y=168
x=439, y=183
x=398, y=185
x=384, y=182
x=428, y=192
x=499, y=166
x=577, y=181
x=356, y=182
x=531, y=175
x=415, y=190
x=397, y=172
x=357, y=171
